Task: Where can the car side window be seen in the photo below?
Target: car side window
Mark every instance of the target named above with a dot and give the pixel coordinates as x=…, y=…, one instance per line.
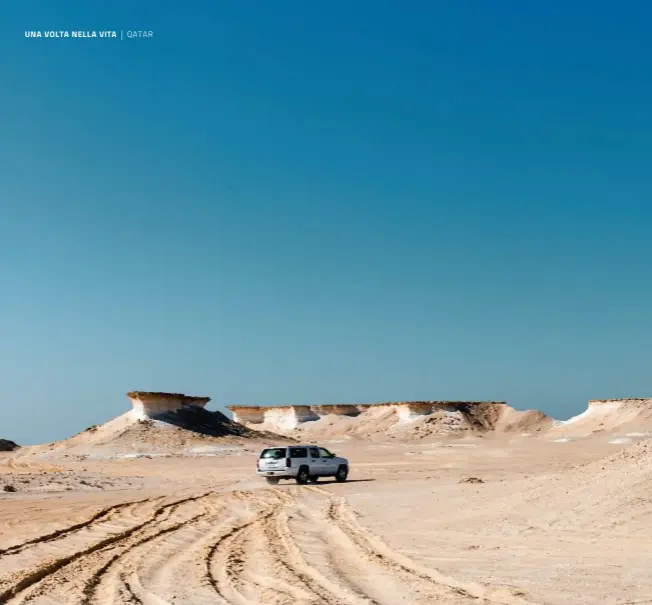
x=314, y=452
x=298, y=452
x=325, y=453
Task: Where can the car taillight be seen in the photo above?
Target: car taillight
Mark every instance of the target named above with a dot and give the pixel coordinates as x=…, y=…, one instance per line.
x=288, y=462
x=258, y=464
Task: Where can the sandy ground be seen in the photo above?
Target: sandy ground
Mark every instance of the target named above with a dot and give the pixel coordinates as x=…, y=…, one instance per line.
x=548, y=523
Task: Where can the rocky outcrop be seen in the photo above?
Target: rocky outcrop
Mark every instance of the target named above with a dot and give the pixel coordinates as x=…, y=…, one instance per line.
x=173, y=423
x=284, y=418
x=289, y=417
x=337, y=410
x=407, y=411
x=296, y=414
x=479, y=415
x=633, y=415
x=643, y=401
x=248, y=414
x=148, y=404
x=8, y=446
x=615, y=408
x=184, y=412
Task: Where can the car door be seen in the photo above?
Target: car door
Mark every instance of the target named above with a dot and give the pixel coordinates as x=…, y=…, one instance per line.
x=299, y=455
x=329, y=465
x=316, y=462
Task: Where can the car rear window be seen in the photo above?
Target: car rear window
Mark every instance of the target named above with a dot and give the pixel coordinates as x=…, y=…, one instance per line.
x=275, y=453
x=298, y=452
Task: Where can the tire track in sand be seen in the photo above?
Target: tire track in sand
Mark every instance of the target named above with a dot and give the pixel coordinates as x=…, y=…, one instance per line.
x=162, y=550
x=260, y=562
x=244, y=568
x=290, y=554
x=92, y=585
x=340, y=513
x=321, y=549
x=122, y=573
x=296, y=546
x=342, y=592
x=30, y=579
x=101, y=515
x=221, y=577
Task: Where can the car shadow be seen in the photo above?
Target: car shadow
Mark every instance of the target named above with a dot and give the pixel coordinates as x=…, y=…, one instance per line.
x=329, y=481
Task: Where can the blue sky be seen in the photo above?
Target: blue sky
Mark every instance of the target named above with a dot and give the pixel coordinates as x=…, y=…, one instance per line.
x=291, y=202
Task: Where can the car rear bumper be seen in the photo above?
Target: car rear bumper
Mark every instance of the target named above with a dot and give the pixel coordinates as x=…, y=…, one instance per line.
x=278, y=473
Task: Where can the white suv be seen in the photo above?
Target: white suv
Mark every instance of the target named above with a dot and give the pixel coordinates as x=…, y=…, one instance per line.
x=301, y=462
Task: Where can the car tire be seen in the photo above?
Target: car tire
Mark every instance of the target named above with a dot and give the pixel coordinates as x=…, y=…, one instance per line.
x=342, y=473
x=313, y=478
x=303, y=475
x=272, y=480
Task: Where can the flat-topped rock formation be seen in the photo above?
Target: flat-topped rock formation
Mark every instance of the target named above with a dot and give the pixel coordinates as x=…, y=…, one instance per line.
x=641, y=401
x=407, y=418
x=171, y=422
x=291, y=416
x=148, y=404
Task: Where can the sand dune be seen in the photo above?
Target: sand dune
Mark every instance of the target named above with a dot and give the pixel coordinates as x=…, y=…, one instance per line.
x=613, y=492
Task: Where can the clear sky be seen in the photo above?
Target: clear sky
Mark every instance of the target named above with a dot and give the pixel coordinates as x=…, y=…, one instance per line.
x=300, y=202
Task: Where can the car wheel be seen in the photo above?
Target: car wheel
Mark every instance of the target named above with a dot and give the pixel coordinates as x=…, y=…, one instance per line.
x=272, y=480
x=342, y=474
x=303, y=475
x=313, y=479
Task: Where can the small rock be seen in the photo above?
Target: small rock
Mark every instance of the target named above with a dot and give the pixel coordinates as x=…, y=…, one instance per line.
x=9, y=488
x=471, y=480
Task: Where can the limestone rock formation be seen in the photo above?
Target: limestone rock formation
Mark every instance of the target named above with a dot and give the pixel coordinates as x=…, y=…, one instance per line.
x=149, y=404
x=404, y=418
x=630, y=418
x=291, y=416
x=152, y=411
x=160, y=422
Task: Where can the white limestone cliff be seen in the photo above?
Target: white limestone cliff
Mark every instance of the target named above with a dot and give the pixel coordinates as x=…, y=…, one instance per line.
x=609, y=415
x=152, y=404
x=286, y=419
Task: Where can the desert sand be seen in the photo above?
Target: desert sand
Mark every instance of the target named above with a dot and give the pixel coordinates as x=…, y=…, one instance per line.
x=169, y=510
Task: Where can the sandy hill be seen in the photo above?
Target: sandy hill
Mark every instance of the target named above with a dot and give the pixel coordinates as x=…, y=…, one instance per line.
x=399, y=420
x=622, y=419
x=613, y=492
x=160, y=423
